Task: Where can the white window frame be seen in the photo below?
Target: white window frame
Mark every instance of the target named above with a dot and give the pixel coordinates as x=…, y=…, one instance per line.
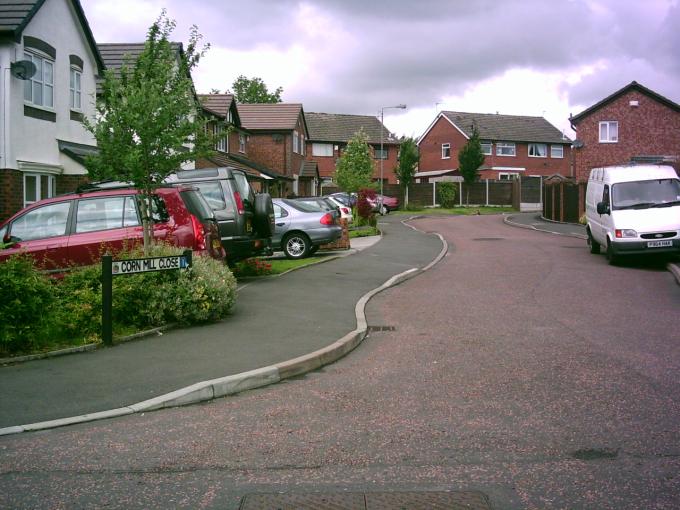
x=537, y=148
x=608, y=136
x=381, y=155
x=557, y=147
x=241, y=142
x=302, y=144
x=296, y=142
x=75, y=89
x=489, y=145
x=446, y=149
x=220, y=143
x=507, y=176
x=39, y=80
x=506, y=145
x=322, y=150
x=40, y=194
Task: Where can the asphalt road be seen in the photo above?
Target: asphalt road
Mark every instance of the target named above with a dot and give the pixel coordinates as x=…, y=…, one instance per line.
x=520, y=366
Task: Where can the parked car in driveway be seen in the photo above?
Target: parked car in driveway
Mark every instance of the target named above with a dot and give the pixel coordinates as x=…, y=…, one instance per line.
x=324, y=203
x=246, y=219
x=384, y=204
x=345, y=210
x=301, y=228
x=76, y=229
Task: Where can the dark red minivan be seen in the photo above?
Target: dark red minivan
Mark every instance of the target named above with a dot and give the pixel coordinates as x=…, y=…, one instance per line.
x=76, y=229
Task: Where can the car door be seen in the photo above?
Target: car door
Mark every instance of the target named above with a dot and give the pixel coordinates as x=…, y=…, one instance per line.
x=41, y=232
x=281, y=223
x=102, y=224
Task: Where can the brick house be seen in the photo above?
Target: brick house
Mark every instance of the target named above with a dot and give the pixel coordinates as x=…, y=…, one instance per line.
x=43, y=142
x=277, y=140
x=634, y=124
x=232, y=149
x=329, y=134
x=513, y=145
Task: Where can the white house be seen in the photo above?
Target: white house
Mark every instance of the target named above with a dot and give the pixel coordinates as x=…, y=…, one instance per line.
x=42, y=139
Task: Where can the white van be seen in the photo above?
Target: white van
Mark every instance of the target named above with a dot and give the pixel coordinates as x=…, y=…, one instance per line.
x=633, y=210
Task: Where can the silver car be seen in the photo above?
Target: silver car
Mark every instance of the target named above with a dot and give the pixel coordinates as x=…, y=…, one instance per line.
x=300, y=228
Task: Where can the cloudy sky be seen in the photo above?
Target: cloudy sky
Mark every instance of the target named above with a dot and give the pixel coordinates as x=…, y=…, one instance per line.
x=545, y=58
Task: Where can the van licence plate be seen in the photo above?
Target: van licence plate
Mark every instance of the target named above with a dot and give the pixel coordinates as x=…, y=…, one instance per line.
x=659, y=244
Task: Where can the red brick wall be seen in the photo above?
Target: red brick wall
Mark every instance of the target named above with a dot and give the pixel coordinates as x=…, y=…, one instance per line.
x=648, y=129
x=444, y=132
x=69, y=183
x=11, y=193
x=327, y=163
x=269, y=150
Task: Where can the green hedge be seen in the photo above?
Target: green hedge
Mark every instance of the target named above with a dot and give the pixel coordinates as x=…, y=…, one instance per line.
x=69, y=311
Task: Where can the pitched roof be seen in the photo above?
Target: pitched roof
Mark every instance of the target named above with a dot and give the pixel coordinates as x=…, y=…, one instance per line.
x=254, y=170
x=630, y=87
x=116, y=54
x=309, y=169
x=16, y=14
x=337, y=127
x=218, y=104
x=269, y=116
x=511, y=128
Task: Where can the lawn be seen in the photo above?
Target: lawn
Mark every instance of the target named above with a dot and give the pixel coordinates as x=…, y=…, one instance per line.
x=466, y=211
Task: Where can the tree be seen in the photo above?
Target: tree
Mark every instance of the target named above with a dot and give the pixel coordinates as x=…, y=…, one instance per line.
x=254, y=91
x=470, y=158
x=147, y=123
x=408, y=164
x=354, y=170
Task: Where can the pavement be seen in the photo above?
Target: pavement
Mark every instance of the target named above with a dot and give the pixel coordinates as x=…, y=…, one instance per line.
x=280, y=327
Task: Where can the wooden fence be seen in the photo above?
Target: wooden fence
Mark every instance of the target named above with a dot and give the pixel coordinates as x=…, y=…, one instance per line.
x=563, y=200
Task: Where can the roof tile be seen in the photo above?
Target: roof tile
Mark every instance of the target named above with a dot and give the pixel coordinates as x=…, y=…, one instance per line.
x=511, y=128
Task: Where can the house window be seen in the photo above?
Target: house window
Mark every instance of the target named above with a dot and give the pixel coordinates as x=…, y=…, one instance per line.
x=486, y=148
x=220, y=139
x=505, y=149
x=39, y=90
x=241, y=142
x=75, y=90
x=609, y=131
x=557, y=151
x=446, y=151
x=38, y=187
x=508, y=176
x=296, y=142
x=322, y=149
x=302, y=144
x=380, y=153
x=538, y=150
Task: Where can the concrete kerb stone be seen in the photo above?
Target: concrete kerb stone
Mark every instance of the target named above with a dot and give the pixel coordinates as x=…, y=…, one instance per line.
x=508, y=221
x=229, y=385
x=675, y=271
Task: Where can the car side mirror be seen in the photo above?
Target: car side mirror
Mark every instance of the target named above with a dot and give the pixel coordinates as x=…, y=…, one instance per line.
x=602, y=208
x=8, y=241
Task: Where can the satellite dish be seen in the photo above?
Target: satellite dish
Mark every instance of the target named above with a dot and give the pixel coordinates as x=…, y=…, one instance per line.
x=23, y=69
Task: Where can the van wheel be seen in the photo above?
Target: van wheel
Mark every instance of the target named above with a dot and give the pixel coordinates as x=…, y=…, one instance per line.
x=592, y=244
x=263, y=219
x=296, y=246
x=611, y=256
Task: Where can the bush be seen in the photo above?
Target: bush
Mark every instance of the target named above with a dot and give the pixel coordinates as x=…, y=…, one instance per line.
x=446, y=194
x=253, y=267
x=26, y=304
x=364, y=207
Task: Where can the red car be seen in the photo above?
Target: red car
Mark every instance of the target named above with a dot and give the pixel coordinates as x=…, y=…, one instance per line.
x=384, y=204
x=76, y=229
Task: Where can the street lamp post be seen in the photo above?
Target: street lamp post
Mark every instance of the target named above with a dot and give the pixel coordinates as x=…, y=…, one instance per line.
x=382, y=116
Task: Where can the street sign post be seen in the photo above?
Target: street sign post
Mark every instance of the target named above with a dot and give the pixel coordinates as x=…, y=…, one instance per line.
x=111, y=268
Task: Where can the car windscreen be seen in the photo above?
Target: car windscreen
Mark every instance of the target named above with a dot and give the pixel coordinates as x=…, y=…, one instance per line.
x=322, y=204
x=197, y=205
x=646, y=194
x=303, y=206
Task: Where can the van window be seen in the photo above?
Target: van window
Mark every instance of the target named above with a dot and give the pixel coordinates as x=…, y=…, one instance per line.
x=214, y=195
x=605, y=194
x=644, y=194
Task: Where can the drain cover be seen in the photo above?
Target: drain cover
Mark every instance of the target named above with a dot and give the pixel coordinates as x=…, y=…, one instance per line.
x=381, y=328
x=367, y=501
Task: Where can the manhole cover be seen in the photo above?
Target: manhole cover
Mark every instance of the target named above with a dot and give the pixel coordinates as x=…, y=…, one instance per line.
x=488, y=239
x=367, y=501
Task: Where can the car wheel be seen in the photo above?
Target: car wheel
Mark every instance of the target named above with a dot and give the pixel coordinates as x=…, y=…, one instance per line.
x=263, y=220
x=296, y=246
x=382, y=210
x=313, y=250
x=611, y=256
x=592, y=244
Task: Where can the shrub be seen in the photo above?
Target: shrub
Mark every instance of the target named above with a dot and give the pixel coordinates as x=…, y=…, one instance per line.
x=253, y=267
x=446, y=194
x=364, y=205
x=26, y=304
